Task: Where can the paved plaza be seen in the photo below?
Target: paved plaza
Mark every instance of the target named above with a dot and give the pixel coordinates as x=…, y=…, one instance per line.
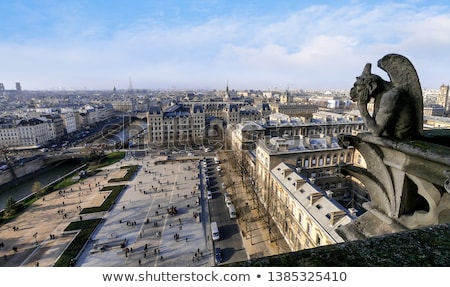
x=38, y=233
x=161, y=218
x=140, y=219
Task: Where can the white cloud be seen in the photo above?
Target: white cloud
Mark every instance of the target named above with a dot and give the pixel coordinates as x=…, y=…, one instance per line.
x=317, y=47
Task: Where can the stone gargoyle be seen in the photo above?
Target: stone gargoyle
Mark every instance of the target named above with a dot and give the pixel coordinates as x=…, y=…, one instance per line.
x=398, y=104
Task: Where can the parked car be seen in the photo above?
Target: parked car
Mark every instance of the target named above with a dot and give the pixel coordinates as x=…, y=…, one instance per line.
x=227, y=198
x=218, y=255
x=209, y=194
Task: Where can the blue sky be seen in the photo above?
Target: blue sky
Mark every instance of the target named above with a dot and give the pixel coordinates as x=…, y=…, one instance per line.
x=200, y=44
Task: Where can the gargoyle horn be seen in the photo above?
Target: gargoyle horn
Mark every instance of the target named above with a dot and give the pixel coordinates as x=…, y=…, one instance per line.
x=367, y=69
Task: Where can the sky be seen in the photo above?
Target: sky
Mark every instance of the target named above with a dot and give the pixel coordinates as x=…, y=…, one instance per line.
x=209, y=44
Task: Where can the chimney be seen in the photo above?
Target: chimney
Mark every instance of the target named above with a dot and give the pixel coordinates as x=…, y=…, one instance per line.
x=353, y=211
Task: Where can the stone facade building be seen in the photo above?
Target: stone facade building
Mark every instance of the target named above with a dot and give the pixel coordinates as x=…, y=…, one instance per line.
x=307, y=216
x=175, y=125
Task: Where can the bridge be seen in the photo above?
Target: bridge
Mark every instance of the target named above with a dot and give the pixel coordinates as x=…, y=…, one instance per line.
x=71, y=153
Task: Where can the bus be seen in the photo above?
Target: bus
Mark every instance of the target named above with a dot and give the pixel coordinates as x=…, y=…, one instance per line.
x=232, y=211
x=215, y=231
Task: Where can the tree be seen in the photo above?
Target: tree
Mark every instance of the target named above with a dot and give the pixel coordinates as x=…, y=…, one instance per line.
x=37, y=186
x=11, y=206
x=96, y=155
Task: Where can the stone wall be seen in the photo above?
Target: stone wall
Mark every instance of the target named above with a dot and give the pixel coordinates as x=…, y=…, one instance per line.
x=21, y=170
x=426, y=247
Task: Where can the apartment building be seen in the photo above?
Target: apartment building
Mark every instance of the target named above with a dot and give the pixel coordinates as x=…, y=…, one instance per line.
x=296, y=179
x=40, y=126
x=31, y=133
x=9, y=136
x=198, y=122
x=34, y=132
x=175, y=125
x=443, y=98
x=245, y=134
x=306, y=215
x=294, y=109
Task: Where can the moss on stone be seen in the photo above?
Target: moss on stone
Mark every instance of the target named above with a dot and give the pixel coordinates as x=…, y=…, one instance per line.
x=426, y=247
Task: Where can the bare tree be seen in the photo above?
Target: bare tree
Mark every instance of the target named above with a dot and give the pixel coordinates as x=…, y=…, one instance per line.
x=37, y=187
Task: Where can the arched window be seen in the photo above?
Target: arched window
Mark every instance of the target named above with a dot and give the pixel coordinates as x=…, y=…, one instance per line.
x=349, y=157
x=335, y=158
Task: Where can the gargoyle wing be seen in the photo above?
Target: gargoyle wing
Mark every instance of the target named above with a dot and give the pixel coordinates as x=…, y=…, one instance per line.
x=403, y=75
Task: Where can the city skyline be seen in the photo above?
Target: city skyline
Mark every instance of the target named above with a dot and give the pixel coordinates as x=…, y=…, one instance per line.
x=207, y=44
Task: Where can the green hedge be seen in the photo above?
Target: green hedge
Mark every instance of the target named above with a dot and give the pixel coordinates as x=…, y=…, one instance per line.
x=128, y=176
x=86, y=228
x=108, y=202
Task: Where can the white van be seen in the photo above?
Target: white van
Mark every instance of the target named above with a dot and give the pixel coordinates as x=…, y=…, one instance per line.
x=232, y=211
x=215, y=231
x=216, y=160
